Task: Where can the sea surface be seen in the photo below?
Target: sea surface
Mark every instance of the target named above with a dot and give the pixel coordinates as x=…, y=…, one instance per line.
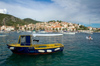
x=78, y=51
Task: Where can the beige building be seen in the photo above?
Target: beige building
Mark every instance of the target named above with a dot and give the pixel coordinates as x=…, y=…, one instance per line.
x=3, y=28
x=7, y=28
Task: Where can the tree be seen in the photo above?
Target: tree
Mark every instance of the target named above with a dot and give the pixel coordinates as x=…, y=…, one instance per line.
x=83, y=28
x=66, y=29
x=76, y=28
x=57, y=29
x=63, y=29
x=31, y=28
x=34, y=29
x=25, y=28
x=68, y=25
x=52, y=21
x=60, y=24
x=16, y=28
x=53, y=29
x=28, y=28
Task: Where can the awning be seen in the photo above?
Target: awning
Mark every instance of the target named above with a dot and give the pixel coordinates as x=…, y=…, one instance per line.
x=47, y=35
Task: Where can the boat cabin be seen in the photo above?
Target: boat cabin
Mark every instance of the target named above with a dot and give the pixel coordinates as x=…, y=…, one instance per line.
x=28, y=40
x=24, y=40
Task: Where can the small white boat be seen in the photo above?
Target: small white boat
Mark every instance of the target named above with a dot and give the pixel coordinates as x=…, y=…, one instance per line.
x=2, y=35
x=69, y=33
x=89, y=38
x=18, y=31
x=42, y=31
x=28, y=31
x=89, y=32
x=2, y=32
x=34, y=31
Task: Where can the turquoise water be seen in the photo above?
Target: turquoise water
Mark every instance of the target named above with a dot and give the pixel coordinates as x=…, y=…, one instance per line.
x=78, y=51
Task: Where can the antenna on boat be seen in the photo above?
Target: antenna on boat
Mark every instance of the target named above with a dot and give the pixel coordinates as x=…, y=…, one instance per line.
x=89, y=37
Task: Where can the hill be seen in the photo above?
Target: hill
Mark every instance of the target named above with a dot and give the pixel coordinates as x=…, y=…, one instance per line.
x=9, y=20
x=29, y=20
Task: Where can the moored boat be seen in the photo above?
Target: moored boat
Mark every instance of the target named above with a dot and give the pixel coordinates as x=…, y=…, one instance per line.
x=3, y=34
x=25, y=45
x=89, y=38
x=72, y=33
x=28, y=31
x=34, y=31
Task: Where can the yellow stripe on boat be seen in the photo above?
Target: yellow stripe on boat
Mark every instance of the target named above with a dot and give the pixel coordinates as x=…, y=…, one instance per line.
x=39, y=46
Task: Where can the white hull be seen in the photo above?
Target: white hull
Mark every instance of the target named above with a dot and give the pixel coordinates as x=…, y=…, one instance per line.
x=2, y=35
x=28, y=31
x=89, y=38
x=42, y=32
x=69, y=33
x=89, y=32
x=34, y=32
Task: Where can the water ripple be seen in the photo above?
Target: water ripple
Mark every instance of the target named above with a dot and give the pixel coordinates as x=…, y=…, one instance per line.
x=77, y=52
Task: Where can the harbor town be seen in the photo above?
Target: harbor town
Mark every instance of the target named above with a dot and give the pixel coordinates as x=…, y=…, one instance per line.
x=50, y=27
x=11, y=23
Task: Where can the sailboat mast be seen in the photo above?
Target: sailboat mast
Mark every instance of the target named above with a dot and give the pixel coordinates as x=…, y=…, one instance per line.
x=89, y=25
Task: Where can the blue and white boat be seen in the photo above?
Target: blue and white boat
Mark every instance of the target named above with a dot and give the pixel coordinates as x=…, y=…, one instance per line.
x=25, y=45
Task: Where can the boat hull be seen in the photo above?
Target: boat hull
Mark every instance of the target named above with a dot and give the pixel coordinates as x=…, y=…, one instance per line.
x=72, y=33
x=32, y=51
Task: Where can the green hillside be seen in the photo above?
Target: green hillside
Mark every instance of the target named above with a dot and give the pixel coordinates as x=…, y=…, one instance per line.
x=9, y=20
x=29, y=20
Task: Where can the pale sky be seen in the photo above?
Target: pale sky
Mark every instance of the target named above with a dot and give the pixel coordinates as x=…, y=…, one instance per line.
x=74, y=11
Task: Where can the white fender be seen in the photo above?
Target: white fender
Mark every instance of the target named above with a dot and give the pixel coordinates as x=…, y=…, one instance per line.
x=11, y=48
x=49, y=50
x=41, y=51
x=57, y=49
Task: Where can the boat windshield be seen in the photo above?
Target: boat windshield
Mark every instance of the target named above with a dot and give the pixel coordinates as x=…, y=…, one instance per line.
x=47, y=39
x=44, y=39
x=25, y=40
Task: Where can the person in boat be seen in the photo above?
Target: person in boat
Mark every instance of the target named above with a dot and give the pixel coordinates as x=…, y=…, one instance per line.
x=90, y=37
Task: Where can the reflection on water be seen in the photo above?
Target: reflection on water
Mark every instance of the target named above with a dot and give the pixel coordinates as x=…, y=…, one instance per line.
x=77, y=52
x=36, y=60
